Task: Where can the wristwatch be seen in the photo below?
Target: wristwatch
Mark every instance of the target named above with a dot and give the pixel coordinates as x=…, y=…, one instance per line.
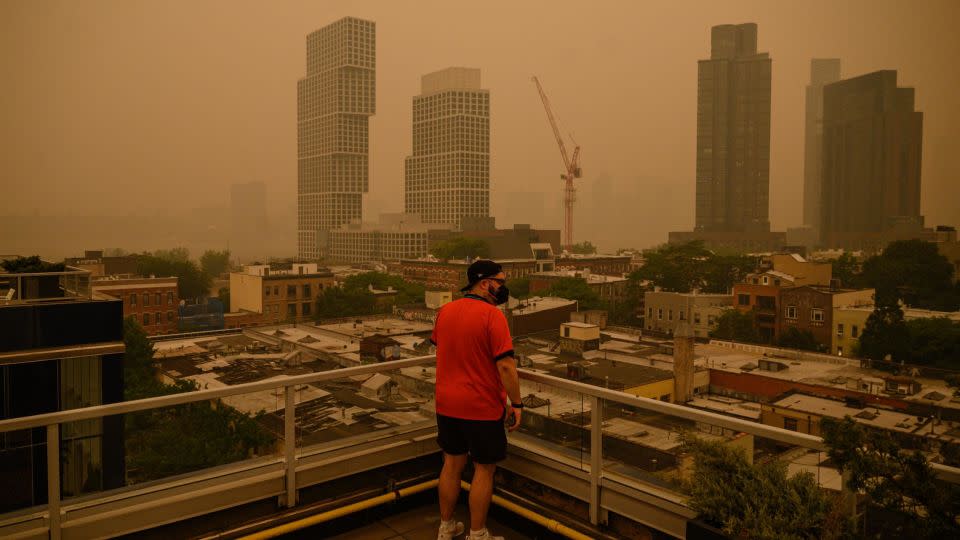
x=517, y=405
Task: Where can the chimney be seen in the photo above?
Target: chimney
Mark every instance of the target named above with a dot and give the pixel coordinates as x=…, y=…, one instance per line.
x=683, y=363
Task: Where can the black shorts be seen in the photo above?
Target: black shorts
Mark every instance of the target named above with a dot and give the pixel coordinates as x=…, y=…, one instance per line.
x=485, y=440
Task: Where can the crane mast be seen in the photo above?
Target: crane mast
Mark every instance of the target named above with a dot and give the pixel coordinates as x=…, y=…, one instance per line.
x=571, y=170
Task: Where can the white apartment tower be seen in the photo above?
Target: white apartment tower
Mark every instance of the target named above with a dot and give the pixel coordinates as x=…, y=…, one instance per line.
x=334, y=103
x=447, y=177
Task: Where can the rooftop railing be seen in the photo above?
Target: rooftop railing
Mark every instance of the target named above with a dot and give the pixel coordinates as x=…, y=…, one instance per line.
x=25, y=287
x=615, y=451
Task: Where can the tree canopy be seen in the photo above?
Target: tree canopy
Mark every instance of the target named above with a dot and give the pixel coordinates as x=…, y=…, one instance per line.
x=192, y=282
x=354, y=297
x=407, y=292
x=165, y=442
x=684, y=267
x=519, y=287
x=794, y=338
x=933, y=342
x=461, y=247
x=735, y=325
x=215, y=262
x=26, y=265
x=906, y=499
x=885, y=333
x=573, y=288
x=916, y=273
x=759, y=501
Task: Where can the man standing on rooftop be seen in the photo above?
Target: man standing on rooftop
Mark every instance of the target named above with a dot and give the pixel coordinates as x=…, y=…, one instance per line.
x=476, y=371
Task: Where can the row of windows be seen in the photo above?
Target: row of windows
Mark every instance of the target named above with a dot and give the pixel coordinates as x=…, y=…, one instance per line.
x=346, y=42
x=150, y=319
x=791, y=313
x=681, y=315
x=338, y=90
x=854, y=330
x=157, y=299
x=291, y=290
x=333, y=133
x=336, y=173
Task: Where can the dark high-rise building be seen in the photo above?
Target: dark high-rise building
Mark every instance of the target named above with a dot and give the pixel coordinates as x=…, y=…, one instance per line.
x=823, y=71
x=334, y=104
x=447, y=178
x=733, y=133
x=61, y=347
x=872, y=141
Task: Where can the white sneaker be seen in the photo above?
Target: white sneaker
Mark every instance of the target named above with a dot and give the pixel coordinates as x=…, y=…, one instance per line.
x=482, y=535
x=447, y=533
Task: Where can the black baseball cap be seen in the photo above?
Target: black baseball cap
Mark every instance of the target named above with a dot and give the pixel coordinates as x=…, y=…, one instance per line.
x=481, y=269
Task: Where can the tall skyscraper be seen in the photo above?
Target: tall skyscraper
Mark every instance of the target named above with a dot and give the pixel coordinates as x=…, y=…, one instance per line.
x=334, y=104
x=448, y=175
x=822, y=71
x=733, y=133
x=872, y=142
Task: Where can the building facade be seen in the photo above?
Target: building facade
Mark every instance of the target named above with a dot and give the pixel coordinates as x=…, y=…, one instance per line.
x=452, y=275
x=60, y=348
x=823, y=71
x=447, y=177
x=810, y=308
x=608, y=265
x=397, y=236
x=153, y=302
x=733, y=133
x=872, y=142
x=610, y=289
x=667, y=310
x=279, y=293
x=334, y=104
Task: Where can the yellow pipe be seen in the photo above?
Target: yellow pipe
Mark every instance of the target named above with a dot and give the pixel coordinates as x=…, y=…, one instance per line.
x=340, y=512
x=550, y=524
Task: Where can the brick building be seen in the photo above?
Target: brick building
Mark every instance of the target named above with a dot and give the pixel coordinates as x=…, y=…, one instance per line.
x=452, y=275
x=608, y=265
x=153, y=301
x=812, y=308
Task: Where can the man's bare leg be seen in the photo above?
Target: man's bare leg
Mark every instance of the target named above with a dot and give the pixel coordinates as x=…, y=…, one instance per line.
x=449, y=486
x=481, y=490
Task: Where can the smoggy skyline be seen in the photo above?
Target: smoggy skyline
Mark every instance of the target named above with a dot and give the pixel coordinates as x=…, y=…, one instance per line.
x=151, y=109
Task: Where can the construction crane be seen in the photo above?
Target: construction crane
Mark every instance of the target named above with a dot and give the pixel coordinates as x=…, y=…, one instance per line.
x=572, y=166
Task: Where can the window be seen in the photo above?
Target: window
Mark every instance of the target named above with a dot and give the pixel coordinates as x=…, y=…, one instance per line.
x=158, y=299
x=743, y=299
x=766, y=280
x=266, y=291
x=170, y=316
x=790, y=312
x=816, y=314
x=854, y=331
x=146, y=319
x=696, y=317
x=170, y=298
x=839, y=350
x=790, y=423
x=669, y=314
x=291, y=310
x=307, y=292
x=146, y=299
x=659, y=313
x=682, y=316
x=292, y=291
x=840, y=330
x=305, y=308
x=276, y=290
x=566, y=331
x=649, y=312
x=133, y=299
x=158, y=319
x=275, y=308
x=710, y=320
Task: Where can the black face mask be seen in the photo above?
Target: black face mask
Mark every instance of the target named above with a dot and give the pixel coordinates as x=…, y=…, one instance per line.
x=501, y=295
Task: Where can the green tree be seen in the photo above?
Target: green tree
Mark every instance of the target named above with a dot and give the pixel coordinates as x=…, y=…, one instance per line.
x=885, y=333
x=794, y=338
x=735, y=325
x=759, y=501
x=192, y=282
x=461, y=247
x=584, y=248
x=934, y=342
x=916, y=273
x=906, y=498
x=846, y=268
x=335, y=302
x=165, y=442
x=684, y=267
x=722, y=272
x=214, y=262
x=519, y=287
x=177, y=254
x=407, y=292
x=26, y=265
x=573, y=288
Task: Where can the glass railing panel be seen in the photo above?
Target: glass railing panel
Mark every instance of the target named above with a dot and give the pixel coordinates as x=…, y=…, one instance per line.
x=560, y=421
x=23, y=466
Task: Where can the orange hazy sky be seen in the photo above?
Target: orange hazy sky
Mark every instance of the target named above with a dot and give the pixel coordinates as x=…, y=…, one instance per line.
x=144, y=108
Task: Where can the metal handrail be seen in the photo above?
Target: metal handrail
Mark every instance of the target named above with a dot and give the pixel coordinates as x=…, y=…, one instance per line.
x=813, y=442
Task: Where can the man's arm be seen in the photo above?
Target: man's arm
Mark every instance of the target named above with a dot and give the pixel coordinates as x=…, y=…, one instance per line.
x=507, y=367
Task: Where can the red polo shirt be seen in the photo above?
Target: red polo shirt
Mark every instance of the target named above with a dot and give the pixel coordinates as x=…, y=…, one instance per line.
x=471, y=335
